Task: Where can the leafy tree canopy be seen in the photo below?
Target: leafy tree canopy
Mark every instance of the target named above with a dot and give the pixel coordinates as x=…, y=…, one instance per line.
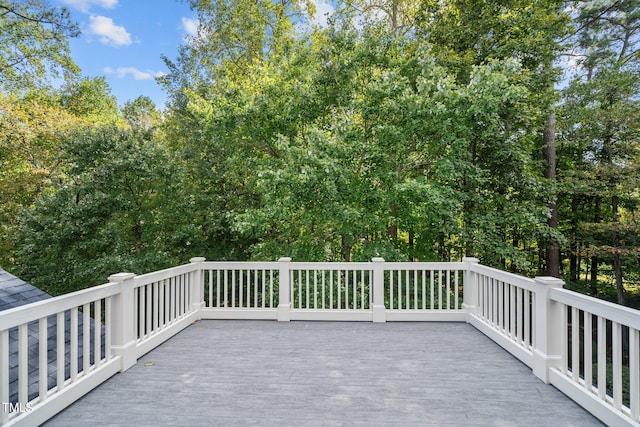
x=34, y=43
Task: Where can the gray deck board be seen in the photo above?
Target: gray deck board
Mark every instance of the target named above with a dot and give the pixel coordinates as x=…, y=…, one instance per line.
x=266, y=373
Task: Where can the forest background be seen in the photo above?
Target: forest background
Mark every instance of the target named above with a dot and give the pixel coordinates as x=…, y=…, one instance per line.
x=411, y=130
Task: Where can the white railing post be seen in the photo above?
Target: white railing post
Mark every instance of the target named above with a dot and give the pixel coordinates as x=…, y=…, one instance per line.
x=284, y=289
x=378, y=310
x=548, y=326
x=470, y=290
x=197, y=285
x=123, y=315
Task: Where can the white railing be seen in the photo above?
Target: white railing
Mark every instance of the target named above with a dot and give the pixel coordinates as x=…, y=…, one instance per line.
x=240, y=290
x=504, y=308
x=420, y=291
x=83, y=353
x=351, y=291
x=552, y=330
x=103, y=330
x=606, y=381
x=97, y=332
x=334, y=291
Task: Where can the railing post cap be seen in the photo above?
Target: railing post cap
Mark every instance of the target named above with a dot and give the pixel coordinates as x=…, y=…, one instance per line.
x=549, y=281
x=470, y=259
x=284, y=259
x=121, y=277
x=377, y=259
x=197, y=259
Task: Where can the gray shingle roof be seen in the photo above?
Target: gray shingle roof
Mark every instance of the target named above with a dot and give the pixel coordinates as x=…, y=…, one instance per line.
x=15, y=292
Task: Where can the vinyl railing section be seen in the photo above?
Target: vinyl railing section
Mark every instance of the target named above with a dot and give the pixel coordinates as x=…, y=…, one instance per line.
x=424, y=291
x=54, y=351
x=503, y=306
x=240, y=290
x=599, y=363
x=334, y=291
x=587, y=348
x=349, y=291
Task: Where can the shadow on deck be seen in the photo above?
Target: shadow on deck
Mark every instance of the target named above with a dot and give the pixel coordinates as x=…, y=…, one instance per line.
x=326, y=373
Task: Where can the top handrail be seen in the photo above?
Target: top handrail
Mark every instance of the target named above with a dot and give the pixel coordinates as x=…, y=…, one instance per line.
x=331, y=265
x=236, y=265
x=27, y=313
x=615, y=312
x=515, y=279
x=440, y=265
x=339, y=265
x=156, y=276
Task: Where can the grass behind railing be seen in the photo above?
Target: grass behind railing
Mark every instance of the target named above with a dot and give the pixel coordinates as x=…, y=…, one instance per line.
x=241, y=288
x=334, y=289
x=331, y=289
x=423, y=289
x=595, y=349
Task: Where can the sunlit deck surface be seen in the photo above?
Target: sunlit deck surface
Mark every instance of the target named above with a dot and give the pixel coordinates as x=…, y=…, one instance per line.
x=267, y=373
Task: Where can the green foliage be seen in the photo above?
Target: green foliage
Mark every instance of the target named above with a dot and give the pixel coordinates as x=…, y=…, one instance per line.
x=91, y=99
x=33, y=43
x=469, y=32
x=407, y=130
x=32, y=128
x=120, y=208
x=141, y=113
x=358, y=146
x=599, y=155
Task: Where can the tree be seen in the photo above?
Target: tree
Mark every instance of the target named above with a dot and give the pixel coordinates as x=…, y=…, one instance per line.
x=600, y=139
x=120, y=206
x=399, y=15
x=34, y=43
x=232, y=35
x=552, y=253
x=90, y=99
x=350, y=146
x=467, y=34
x=32, y=128
x=219, y=66
x=421, y=130
x=30, y=132
x=141, y=113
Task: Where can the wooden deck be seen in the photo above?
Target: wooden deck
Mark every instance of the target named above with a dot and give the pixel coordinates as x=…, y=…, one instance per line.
x=267, y=373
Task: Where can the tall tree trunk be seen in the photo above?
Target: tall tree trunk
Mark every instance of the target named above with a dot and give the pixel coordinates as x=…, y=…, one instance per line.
x=469, y=249
x=617, y=260
x=412, y=252
x=392, y=230
x=541, y=262
x=594, y=259
x=573, y=253
x=593, y=277
x=468, y=206
x=346, y=248
x=615, y=238
x=516, y=244
x=552, y=255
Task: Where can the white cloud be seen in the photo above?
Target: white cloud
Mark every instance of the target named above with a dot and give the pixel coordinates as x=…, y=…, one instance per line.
x=85, y=5
x=190, y=26
x=122, y=72
x=109, y=32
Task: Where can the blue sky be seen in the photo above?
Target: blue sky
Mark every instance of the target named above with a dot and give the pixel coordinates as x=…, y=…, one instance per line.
x=123, y=40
